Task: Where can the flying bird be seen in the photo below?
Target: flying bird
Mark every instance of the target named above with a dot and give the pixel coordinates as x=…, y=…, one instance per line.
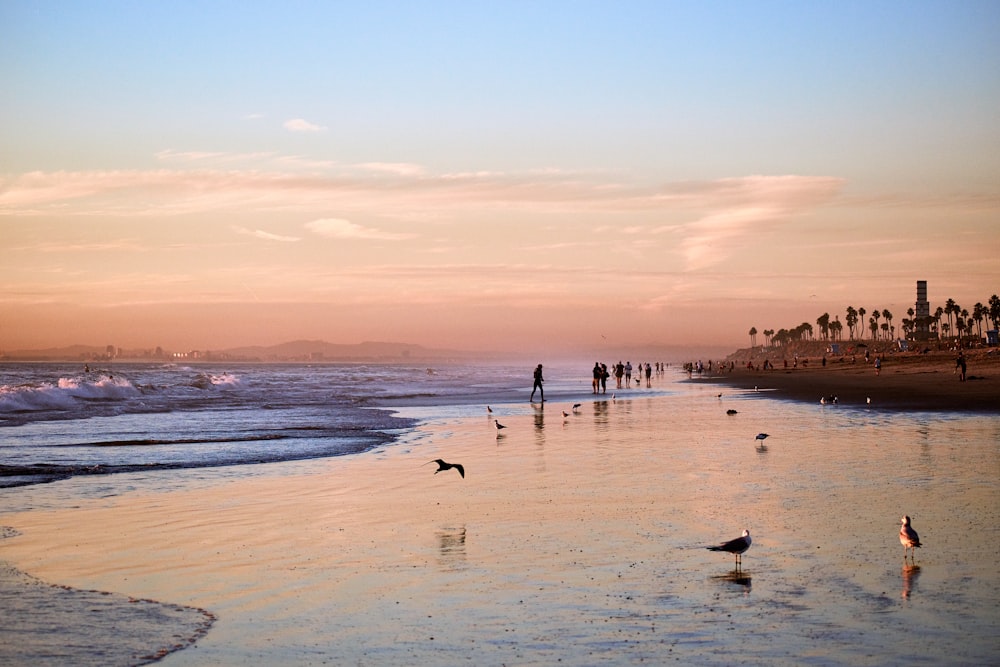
x=448, y=466
x=908, y=537
x=735, y=546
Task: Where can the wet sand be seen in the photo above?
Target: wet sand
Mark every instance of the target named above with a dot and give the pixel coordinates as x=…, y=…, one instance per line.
x=907, y=381
x=575, y=540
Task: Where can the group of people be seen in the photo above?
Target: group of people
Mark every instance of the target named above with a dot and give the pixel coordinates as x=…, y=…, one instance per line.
x=601, y=373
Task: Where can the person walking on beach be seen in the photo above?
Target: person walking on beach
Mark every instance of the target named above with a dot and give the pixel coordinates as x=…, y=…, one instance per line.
x=878, y=365
x=604, y=378
x=628, y=373
x=960, y=366
x=596, y=382
x=619, y=372
x=538, y=384
x=649, y=371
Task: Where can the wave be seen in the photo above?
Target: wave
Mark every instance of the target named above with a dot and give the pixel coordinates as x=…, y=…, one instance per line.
x=65, y=393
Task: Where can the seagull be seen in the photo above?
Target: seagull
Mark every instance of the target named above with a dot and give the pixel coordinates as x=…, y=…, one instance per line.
x=908, y=537
x=448, y=466
x=762, y=436
x=736, y=547
x=730, y=411
x=489, y=409
x=576, y=406
x=565, y=414
x=498, y=425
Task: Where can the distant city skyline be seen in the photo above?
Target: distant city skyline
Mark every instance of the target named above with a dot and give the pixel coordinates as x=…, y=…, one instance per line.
x=511, y=177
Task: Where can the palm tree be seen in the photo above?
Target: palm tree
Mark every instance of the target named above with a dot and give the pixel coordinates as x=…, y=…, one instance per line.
x=836, y=328
x=753, y=336
x=978, y=313
x=876, y=314
x=861, y=319
x=873, y=324
x=888, y=318
x=852, y=320
x=768, y=333
x=823, y=321
x=937, y=319
x=994, y=311
x=949, y=308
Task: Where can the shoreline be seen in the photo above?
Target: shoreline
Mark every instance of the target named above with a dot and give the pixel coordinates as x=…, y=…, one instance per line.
x=907, y=381
x=549, y=550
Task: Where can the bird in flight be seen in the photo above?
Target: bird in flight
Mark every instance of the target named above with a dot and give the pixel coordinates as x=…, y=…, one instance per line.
x=908, y=537
x=448, y=466
x=735, y=546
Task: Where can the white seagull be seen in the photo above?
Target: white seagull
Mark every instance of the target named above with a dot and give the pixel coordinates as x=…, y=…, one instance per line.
x=737, y=546
x=908, y=537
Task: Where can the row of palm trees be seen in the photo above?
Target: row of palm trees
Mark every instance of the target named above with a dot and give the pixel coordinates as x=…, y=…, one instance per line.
x=960, y=322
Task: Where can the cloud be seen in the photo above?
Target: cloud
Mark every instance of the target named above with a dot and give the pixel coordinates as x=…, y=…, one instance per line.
x=396, y=168
x=740, y=207
x=339, y=228
x=300, y=125
x=267, y=236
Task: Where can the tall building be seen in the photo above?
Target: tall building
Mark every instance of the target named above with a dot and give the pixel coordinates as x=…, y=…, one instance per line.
x=922, y=317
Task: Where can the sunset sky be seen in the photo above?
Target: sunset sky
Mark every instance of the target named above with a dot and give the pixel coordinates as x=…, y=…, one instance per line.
x=489, y=175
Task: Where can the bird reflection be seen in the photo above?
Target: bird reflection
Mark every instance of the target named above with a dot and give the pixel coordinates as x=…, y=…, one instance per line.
x=451, y=546
x=910, y=575
x=738, y=578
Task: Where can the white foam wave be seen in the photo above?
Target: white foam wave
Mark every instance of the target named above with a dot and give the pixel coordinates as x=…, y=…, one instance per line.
x=64, y=394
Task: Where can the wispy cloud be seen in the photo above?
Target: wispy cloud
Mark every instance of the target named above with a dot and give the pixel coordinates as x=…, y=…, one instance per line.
x=302, y=125
x=339, y=228
x=267, y=236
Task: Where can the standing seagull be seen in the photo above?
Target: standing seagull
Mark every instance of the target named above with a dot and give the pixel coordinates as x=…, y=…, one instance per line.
x=448, y=466
x=737, y=547
x=908, y=537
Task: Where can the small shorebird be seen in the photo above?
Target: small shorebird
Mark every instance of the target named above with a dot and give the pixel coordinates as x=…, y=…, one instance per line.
x=448, y=466
x=730, y=411
x=489, y=409
x=908, y=537
x=762, y=437
x=576, y=406
x=735, y=546
x=565, y=414
x=498, y=425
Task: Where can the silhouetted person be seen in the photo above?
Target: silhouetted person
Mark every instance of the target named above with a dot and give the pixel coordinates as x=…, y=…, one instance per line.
x=538, y=384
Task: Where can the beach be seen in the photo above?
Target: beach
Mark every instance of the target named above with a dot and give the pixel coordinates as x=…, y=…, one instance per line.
x=576, y=539
x=907, y=381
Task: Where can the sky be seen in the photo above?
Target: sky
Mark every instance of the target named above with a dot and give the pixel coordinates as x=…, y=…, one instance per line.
x=505, y=176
